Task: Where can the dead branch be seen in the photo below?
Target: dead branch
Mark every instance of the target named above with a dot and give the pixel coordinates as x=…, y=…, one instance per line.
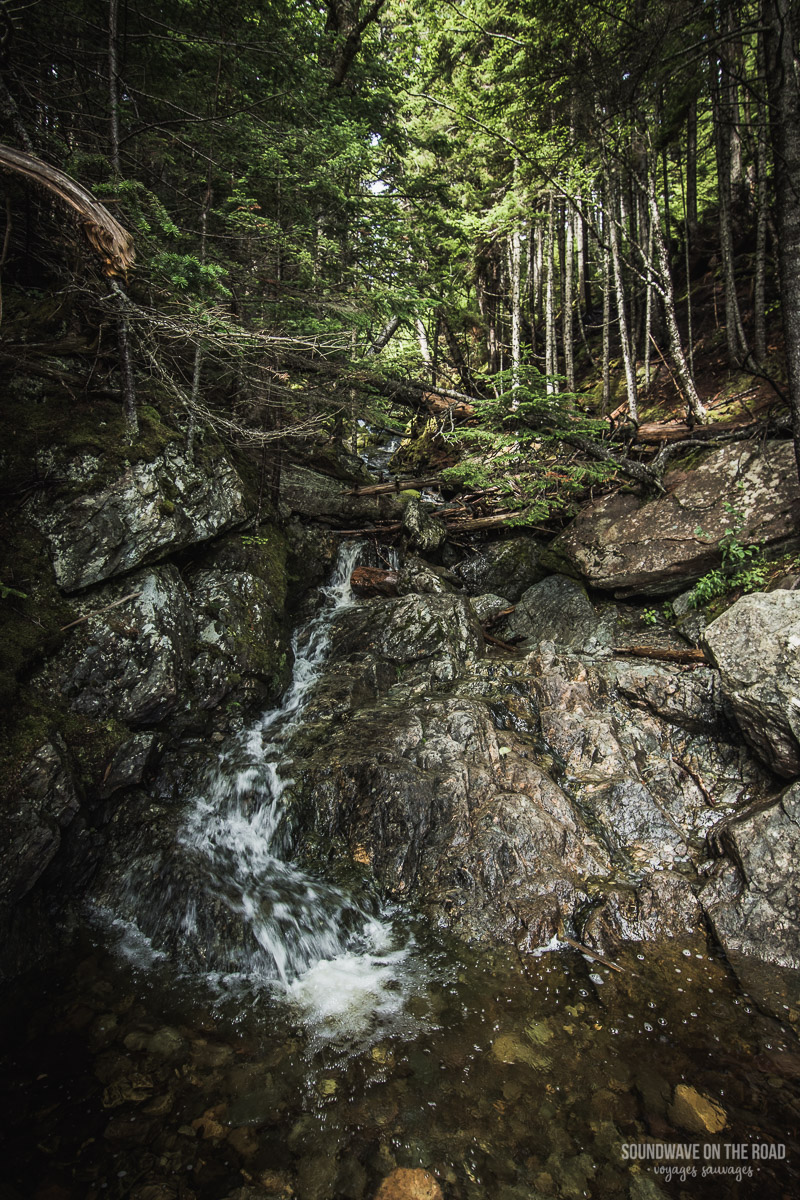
x=113, y=243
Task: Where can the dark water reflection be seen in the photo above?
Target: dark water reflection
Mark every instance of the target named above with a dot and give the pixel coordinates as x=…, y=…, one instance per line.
x=506, y=1079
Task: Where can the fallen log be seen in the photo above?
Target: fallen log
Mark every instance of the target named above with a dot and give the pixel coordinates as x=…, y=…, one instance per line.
x=664, y=655
x=374, y=581
x=395, y=485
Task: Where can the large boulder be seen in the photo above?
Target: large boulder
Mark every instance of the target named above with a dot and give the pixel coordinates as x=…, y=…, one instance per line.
x=129, y=661
x=657, y=547
x=755, y=645
x=436, y=634
x=557, y=609
x=506, y=568
x=100, y=526
x=754, y=897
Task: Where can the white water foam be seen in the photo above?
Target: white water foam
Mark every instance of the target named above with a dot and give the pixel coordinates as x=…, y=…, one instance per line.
x=249, y=916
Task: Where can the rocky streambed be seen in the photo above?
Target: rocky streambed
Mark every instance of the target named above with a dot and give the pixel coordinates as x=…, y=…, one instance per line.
x=449, y=918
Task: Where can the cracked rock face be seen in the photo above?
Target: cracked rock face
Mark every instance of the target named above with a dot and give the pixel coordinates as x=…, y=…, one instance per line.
x=756, y=646
x=754, y=896
x=659, y=547
x=114, y=525
x=508, y=796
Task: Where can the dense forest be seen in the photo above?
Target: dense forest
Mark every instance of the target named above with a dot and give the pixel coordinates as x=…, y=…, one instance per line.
x=532, y=225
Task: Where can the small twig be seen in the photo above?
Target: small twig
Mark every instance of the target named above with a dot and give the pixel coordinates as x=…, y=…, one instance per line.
x=97, y=612
x=599, y=957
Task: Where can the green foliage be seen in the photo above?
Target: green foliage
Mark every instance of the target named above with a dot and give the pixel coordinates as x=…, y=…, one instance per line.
x=743, y=565
x=6, y=591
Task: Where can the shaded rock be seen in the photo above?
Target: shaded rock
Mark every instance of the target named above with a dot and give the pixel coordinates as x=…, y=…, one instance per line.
x=131, y=662
x=240, y=637
x=695, y=1112
x=113, y=526
x=422, y=577
x=488, y=606
x=409, y=1183
x=440, y=632
x=424, y=532
x=507, y=568
x=755, y=645
x=129, y=764
x=558, y=610
x=452, y=809
x=754, y=896
x=42, y=805
x=661, y=905
x=654, y=548
x=311, y=494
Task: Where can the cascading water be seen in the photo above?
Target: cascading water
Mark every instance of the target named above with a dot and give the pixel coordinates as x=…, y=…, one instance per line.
x=231, y=904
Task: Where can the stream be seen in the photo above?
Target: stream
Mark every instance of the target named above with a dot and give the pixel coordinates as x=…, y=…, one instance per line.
x=235, y=1026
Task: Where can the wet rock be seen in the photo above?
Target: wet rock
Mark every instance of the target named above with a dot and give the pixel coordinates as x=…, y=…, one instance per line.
x=507, y=568
x=240, y=635
x=488, y=606
x=32, y=819
x=755, y=645
x=558, y=610
x=693, y=1111
x=653, y=548
x=134, y=1090
x=131, y=662
x=114, y=525
x=438, y=631
x=409, y=1184
x=424, y=532
x=129, y=763
x=164, y=1043
x=422, y=577
x=661, y=905
x=753, y=897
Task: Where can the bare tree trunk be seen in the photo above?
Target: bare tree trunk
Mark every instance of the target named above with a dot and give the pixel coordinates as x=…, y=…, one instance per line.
x=734, y=330
x=696, y=409
x=551, y=351
x=783, y=93
x=691, y=167
x=648, y=305
x=619, y=287
x=606, y=330
x=762, y=211
x=113, y=84
x=424, y=348
x=569, y=253
x=515, y=278
x=384, y=337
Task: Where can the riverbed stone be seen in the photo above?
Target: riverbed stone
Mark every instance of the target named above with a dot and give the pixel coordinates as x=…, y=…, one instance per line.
x=507, y=568
x=99, y=527
x=755, y=645
x=425, y=532
x=409, y=1183
x=657, y=547
x=696, y=1112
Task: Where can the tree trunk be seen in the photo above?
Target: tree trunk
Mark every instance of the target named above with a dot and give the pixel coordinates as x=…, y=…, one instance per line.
x=515, y=278
x=691, y=168
x=569, y=250
x=619, y=287
x=762, y=212
x=606, y=331
x=550, y=352
x=113, y=85
x=783, y=93
x=694, y=405
x=734, y=330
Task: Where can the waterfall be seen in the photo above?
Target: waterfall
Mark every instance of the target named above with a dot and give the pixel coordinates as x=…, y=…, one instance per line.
x=230, y=904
